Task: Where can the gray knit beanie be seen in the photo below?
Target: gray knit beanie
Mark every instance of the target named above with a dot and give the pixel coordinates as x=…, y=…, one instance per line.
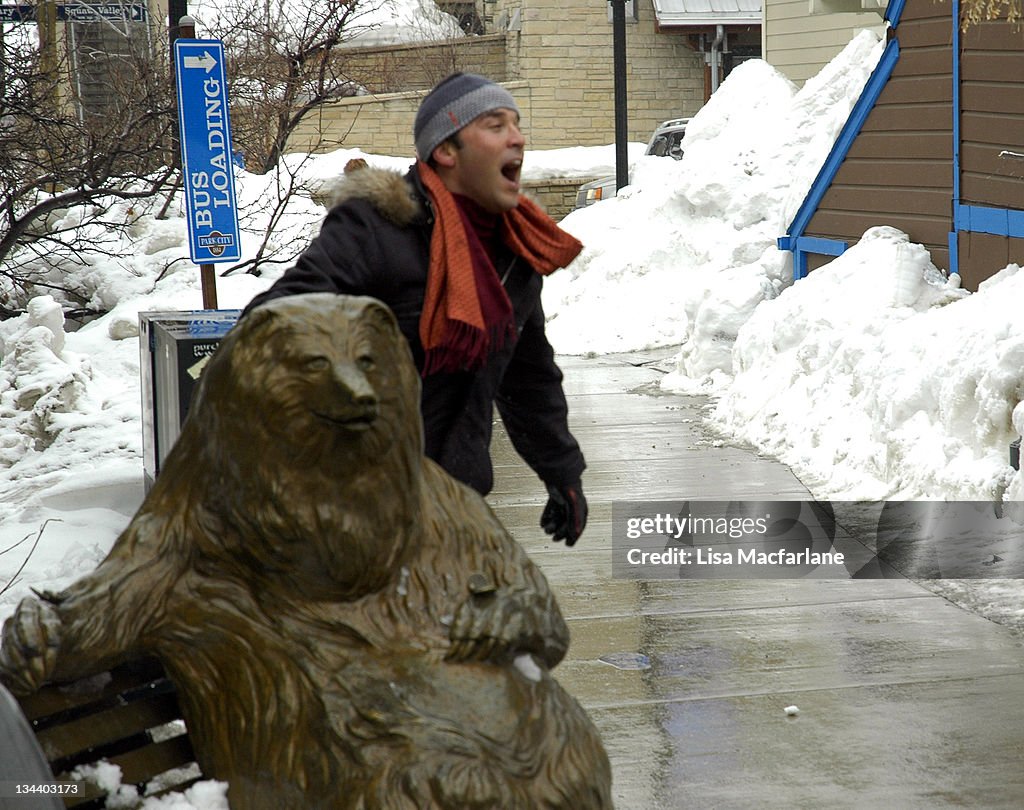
x=452, y=104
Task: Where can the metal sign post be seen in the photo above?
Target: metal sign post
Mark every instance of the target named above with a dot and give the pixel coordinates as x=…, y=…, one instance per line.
x=206, y=165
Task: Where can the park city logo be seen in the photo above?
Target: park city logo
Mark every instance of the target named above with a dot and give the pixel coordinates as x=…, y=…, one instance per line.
x=216, y=242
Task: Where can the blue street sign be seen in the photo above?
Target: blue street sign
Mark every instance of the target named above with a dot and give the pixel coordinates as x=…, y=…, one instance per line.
x=206, y=162
x=132, y=12
x=102, y=11
x=17, y=13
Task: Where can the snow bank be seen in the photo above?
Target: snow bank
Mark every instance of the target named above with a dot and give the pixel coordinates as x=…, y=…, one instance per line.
x=41, y=386
x=376, y=23
x=395, y=22
x=705, y=257
x=878, y=377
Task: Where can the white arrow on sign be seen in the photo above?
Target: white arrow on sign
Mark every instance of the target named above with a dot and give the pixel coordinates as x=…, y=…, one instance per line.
x=205, y=61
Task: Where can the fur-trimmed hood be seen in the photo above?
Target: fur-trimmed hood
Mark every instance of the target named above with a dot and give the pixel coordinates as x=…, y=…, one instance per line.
x=393, y=194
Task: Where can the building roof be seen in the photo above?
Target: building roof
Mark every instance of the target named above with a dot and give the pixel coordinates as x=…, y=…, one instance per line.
x=704, y=12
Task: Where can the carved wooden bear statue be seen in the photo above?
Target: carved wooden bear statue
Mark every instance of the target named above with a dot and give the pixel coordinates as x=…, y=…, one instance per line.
x=347, y=626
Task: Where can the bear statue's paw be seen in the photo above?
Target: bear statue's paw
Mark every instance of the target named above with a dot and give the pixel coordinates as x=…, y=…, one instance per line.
x=29, y=644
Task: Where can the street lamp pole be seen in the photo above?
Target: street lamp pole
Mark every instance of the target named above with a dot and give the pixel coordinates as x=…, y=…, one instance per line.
x=176, y=10
x=619, y=69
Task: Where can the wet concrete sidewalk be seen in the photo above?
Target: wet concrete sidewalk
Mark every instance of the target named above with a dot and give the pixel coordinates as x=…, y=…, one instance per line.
x=905, y=700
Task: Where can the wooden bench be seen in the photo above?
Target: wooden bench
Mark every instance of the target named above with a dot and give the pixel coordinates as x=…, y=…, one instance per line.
x=129, y=717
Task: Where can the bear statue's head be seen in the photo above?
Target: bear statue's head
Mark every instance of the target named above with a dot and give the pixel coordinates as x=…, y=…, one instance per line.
x=328, y=377
x=304, y=441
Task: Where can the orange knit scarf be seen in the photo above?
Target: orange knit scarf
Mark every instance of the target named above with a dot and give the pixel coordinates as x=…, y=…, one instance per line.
x=456, y=331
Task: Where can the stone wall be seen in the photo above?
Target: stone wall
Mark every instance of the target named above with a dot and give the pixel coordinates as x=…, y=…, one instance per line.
x=380, y=125
x=399, y=68
x=555, y=56
x=564, y=51
x=557, y=195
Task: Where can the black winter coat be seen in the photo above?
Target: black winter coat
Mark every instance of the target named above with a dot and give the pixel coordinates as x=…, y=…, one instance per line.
x=375, y=241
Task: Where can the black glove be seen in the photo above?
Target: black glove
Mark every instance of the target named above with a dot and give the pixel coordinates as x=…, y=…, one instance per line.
x=565, y=515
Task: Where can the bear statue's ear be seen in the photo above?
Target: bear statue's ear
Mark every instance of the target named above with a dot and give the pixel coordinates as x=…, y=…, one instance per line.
x=379, y=314
x=258, y=317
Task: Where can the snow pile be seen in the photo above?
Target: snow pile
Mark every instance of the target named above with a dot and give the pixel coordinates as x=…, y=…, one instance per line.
x=372, y=23
x=875, y=375
x=706, y=255
x=318, y=174
x=138, y=250
x=394, y=22
x=205, y=795
x=42, y=388
x=577, y=161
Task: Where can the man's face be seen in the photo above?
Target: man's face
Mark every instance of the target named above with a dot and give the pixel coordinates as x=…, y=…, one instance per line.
x=489, y=163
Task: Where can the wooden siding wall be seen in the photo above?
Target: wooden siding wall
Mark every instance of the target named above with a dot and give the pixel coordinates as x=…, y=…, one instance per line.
x=982, y=255
x=899, y=171
x=800, y=44
x=992, y=115
x=991, y=122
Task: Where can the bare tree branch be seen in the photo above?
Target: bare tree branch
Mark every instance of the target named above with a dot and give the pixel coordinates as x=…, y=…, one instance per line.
x=59, y=151
x=973, y=12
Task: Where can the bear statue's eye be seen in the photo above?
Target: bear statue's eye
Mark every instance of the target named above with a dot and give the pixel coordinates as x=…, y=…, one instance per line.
x=366, y=362
x=318, y=363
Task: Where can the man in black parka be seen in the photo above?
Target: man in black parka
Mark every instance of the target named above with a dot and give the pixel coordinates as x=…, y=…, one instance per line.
x=458, y=254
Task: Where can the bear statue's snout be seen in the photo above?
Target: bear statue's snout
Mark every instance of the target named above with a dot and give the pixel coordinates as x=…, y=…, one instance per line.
x=357, y=405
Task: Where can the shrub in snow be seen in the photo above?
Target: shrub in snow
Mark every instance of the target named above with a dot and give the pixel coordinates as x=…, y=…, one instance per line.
x=40, y=383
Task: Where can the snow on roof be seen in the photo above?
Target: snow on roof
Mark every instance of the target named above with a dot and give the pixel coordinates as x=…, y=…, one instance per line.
x=701, y=12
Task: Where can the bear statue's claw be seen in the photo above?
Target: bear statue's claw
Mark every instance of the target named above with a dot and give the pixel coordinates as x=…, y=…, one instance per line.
x=29, y=644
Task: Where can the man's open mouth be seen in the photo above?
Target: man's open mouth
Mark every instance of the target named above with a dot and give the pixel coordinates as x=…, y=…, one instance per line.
x=512, y=169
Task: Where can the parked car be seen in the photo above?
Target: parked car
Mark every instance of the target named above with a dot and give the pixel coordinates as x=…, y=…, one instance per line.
x=667, y=141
